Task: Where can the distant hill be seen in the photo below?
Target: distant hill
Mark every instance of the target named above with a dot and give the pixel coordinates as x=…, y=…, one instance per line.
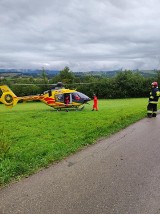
x=50, y=73
x=145, y=73
x=26, y=72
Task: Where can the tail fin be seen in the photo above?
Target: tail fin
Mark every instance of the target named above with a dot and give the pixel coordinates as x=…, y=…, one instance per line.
x=8, y=98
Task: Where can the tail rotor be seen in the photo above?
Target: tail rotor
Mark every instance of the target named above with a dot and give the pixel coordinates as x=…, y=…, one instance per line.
x=8, y=98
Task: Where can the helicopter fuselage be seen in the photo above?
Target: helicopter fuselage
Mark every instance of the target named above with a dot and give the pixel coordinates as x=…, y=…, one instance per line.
x=62, y=98
x=56, y=98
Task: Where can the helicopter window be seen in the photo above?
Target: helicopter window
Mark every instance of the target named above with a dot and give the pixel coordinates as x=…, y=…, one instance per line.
x=78, y=97
x=82, y=96
x=45, y=92
x=59, y=97
x=75, y=97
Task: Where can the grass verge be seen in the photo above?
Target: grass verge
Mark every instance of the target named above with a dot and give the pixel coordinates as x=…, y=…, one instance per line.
x=39, y=135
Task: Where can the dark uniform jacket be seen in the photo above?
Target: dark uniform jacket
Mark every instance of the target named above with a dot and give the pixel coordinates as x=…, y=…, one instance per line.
x=154, y=95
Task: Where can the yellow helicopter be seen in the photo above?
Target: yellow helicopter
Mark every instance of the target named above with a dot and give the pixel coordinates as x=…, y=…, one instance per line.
x=57, y=98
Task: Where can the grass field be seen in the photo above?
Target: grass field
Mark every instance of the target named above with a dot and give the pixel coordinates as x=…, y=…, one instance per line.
x=34, y=135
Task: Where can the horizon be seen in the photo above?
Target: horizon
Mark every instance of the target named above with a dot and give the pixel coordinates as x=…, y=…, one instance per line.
x=40, y=70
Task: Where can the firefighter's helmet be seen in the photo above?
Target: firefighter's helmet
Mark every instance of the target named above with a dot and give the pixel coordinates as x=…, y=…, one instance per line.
x=155, y=84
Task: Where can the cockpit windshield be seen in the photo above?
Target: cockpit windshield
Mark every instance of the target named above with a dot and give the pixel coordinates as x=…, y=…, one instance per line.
x=83, y=96
x=79, y=97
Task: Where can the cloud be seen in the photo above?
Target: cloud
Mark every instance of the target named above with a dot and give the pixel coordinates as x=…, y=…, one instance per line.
x=84, y=35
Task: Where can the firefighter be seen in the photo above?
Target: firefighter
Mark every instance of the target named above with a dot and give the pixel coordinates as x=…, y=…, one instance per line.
x=95, y=103
x=153, y=100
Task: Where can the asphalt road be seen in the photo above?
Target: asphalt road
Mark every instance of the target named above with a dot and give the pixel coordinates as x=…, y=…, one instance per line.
x=118, y=175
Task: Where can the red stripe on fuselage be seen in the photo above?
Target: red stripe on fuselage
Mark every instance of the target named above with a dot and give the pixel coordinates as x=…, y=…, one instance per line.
x=50, y=102
x=49, y=99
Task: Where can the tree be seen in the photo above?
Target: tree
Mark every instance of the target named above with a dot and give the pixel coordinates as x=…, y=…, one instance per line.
x=158, y=76
x=66, y=75
x=44, y=79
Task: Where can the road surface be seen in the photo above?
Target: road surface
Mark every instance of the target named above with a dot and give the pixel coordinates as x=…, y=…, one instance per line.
x=118, y=175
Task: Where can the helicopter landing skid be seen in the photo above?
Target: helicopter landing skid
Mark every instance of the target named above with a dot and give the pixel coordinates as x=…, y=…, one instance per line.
x=73, y=108
x=80, y=109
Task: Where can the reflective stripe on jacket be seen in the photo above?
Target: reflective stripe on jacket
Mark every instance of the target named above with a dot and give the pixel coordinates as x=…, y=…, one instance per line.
x=154, y=96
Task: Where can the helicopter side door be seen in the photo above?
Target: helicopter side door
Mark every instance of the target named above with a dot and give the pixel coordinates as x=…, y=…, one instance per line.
x=67, y=98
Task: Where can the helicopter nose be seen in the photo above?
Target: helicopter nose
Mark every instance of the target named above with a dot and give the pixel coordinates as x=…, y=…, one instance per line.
x=87, y=100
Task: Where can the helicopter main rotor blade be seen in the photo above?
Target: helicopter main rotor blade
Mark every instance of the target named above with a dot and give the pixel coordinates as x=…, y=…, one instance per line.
x=33, y=84
x=77, y=83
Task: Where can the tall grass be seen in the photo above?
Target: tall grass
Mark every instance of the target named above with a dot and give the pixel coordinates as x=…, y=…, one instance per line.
x=39, y=135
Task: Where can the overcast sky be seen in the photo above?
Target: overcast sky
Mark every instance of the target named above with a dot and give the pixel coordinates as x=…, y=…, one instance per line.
x=82, y=34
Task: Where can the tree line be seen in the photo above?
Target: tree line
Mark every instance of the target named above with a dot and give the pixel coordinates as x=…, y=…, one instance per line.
x=125, y=84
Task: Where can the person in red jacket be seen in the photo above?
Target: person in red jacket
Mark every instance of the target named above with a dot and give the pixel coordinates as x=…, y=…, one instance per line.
x=95, y=103
x=67, y=99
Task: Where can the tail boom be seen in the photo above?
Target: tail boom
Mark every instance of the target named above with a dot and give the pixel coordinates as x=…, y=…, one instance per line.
x=9, y=99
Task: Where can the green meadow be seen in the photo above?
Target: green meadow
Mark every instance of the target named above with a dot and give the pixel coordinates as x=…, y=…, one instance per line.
x=33, y=135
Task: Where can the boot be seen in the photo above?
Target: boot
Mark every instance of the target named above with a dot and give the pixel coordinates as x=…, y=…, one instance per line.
x=154, y=115
x=149, y=115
